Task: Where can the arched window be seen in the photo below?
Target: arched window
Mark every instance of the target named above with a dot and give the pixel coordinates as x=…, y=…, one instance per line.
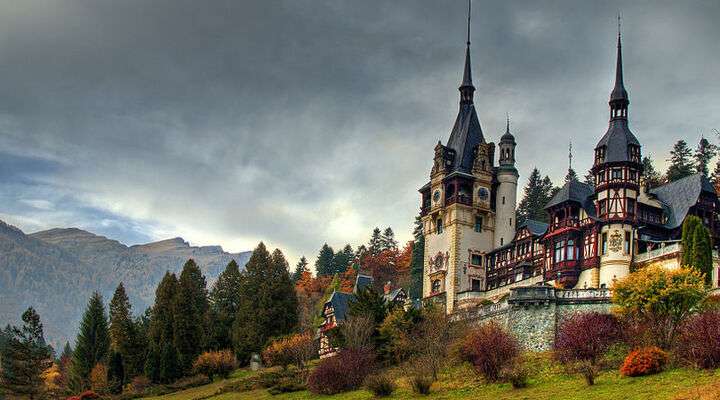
x=439, y=226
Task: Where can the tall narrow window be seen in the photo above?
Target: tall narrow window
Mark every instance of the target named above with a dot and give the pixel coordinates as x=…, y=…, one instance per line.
x=627, y=242
x=439, y=226
x=570, y=250
x=478, y=224
x=603, y=243
x=503, y=199
x=559, y=251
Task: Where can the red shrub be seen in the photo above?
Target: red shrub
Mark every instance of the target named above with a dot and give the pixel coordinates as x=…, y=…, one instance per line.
x=489, y=349
x=586, y=337
x=345, y=371
x=699, y=340
x=211, y=363
x=644, y=361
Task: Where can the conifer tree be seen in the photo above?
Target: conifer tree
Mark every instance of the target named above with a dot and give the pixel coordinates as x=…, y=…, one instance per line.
x=688, y=238
x=169, y=364
x=324, y=264
x=224, y=300
x=152, y=364
x=92, y=345
x=190, y=308
x=116, y=373
x=417, y=261
x=571, y=175
x=300, y=268
x=704, y=152
x=680, y=164
x=268, y=304
x=589, y=178
x=702, y=252
x=64, y=367
x=652, y=177
x=536, y=194
x=123, y=335
x=162, y=322
x=24, y=356
x=375, y=245
x=342, y=259
x=387, y=240
x=715, y=177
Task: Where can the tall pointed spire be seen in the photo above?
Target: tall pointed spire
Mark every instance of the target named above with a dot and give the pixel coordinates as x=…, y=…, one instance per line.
x=466, y=87
x=619, y=96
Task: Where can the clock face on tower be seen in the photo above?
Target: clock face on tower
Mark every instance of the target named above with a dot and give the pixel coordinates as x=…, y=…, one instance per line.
x=436, y=196
x=483, y=194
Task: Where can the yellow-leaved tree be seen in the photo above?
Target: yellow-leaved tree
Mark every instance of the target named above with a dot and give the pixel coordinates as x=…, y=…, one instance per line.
x=658, y=300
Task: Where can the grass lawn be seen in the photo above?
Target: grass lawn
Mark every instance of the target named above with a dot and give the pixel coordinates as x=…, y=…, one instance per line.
x=548, y=382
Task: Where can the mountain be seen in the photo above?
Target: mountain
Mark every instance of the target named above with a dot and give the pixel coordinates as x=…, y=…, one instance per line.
x=56, y=271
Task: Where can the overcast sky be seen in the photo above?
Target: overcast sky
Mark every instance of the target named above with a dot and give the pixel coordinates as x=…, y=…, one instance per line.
x=301, y=122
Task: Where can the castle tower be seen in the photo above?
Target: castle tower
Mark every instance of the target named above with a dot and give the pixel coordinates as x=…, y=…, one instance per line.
x=617, y=169
x=507, y=177
x=458, y=204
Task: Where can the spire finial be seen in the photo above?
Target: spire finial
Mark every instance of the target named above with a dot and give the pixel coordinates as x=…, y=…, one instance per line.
x=468, y=23
x=570, y=156
x=507, y=126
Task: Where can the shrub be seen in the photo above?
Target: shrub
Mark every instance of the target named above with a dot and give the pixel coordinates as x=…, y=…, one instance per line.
x=421, y=383
x=644, y=361
x=86, y=395
x=380, y=385
x=583, y=339
x=699, y=341
x=295, y=349
x=489, y=349
x=516, y=374
x=139, y=384
x=345, y=371
x=98, y=378
x=211, y=363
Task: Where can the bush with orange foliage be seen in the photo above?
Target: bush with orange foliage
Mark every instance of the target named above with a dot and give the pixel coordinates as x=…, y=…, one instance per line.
x=211, y=363
x=644, y=361
x=98, y=378
x=296, y=349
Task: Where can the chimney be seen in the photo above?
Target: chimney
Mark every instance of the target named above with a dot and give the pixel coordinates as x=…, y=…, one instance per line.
x=387, y=288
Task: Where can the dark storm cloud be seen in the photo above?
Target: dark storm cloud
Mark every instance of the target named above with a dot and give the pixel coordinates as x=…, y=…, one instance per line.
x=299, y=122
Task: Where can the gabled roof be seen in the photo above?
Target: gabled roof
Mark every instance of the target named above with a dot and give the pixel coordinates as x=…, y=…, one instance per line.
x=340, y=302
x=573, y=190
x=680, y=195
x=390, y=297
x=536, y=228
x=361, y=282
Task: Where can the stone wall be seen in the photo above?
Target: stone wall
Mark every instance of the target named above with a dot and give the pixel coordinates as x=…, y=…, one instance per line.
x=534, y=313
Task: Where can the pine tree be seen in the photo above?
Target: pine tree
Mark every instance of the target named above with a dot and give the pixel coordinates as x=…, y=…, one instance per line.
x=324, y=263
x=116, y=373
x=92, y=345
x=123, y=336
x=375, y=245
x=652, y=177
x=170, y=369
x=268, y=304
x=190, y=309
x=162, y=322
x=715, y=177
x=64, y=367
x=571, y=175
x=368, y=303
x=417, y=261
x=688, y=238
x=152, y=364
x=224, y=300
x=704, y=152
x=387, y=240
x=536, y=194
x=702, y=252
x=342, y=259
x=300, y=268
x=589, y=178
x=24, y=357
x=680, y=164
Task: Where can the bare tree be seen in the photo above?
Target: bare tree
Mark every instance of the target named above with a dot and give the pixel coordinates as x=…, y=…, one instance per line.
x=357, y=331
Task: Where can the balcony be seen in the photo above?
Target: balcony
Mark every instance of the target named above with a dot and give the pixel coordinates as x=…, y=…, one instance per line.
x=661, y=252
x=460, y=199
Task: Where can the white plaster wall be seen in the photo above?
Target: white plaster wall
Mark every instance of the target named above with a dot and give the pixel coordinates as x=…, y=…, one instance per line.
x=508, y=189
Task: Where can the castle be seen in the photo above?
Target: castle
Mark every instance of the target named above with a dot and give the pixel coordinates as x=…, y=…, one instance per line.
x=475, y=251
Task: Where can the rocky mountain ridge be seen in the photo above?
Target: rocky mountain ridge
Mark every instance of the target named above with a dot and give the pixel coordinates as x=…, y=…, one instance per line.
x=56, y=270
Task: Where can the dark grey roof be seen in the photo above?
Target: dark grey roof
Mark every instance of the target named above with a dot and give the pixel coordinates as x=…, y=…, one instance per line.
x=507, y=137
x=619, y=92
x=340, y=302
x=616, y=139
x=680, y=195
x=465, y=136
x=361, y=282
x=573, y=191
x=390, y=297
x=536, y=228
